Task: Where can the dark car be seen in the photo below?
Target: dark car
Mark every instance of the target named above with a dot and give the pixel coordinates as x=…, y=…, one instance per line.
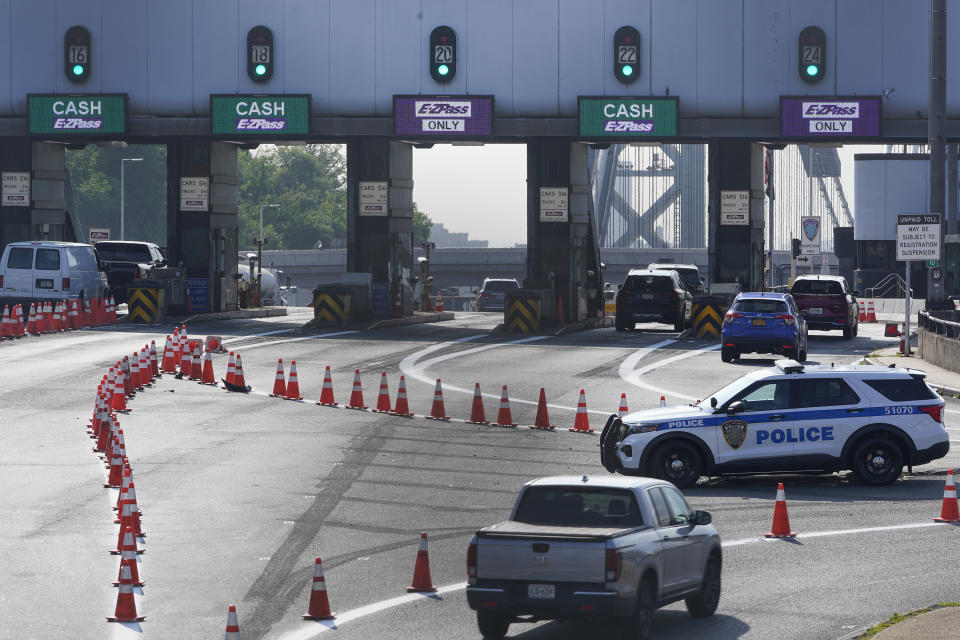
x=125, y=261
x=829, y=303
x=492, y=294
x=763, y=323
x=649, y=295
x=689, y=273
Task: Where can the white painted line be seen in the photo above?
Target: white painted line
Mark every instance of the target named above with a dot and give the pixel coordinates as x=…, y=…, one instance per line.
x=349, y=616
x=255, y=335
x=355, y=614
x=629, y=374
x=257, y=345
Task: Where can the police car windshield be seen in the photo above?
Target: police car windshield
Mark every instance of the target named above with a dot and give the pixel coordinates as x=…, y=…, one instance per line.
x=724, y=394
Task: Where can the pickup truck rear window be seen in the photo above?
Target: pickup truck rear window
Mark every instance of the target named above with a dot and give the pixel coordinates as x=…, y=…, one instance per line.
x=579, y=507
x=124, y=252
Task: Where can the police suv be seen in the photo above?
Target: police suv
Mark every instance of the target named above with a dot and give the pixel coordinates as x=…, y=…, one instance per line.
x=790, y=417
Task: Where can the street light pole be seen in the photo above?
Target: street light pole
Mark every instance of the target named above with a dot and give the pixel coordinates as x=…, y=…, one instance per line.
x=260, y=243
x=123, y=193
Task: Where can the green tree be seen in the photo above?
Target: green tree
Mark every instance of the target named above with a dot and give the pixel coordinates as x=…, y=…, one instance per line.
x=421, y=226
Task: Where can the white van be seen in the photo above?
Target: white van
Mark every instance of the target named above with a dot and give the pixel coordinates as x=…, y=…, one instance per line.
x=46, y=270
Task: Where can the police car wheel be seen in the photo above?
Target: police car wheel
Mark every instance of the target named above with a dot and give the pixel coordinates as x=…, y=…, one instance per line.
x=877, y=462
x=677, y=463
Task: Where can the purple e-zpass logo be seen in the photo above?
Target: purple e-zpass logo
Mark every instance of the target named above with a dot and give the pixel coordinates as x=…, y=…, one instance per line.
x=78, y=122
x=261, y=124
x=628, y=126
x=449, y=116
x=811, y=117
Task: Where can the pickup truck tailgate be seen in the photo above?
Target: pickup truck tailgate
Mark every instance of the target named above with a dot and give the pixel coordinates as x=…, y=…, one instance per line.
x=517, y=551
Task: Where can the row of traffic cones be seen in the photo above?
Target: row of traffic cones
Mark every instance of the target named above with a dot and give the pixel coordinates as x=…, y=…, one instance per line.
x=867, y=312
x=318, y=607
x=189, y=359
x=949, y=511
x=128, y=376
x=55, y=316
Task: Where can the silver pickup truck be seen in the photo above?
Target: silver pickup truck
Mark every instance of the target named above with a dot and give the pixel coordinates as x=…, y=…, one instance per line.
x=594, y=547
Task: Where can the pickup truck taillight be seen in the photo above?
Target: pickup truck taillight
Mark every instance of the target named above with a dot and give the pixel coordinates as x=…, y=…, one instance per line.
x=614, y=565
x=66, y=284
x=472, y=560
x=934, y=411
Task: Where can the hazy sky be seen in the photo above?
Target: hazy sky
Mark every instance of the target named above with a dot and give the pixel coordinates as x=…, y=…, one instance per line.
x=478, y=190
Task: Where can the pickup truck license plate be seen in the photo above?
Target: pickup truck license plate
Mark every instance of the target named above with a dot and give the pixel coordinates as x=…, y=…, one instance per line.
x=647, y=296
x=816, y=311
x=759, y=322
x=541, y=591
x=44, y=283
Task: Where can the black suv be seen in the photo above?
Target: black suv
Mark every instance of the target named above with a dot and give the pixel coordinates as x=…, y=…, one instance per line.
x=651, y=295
x=689, y=273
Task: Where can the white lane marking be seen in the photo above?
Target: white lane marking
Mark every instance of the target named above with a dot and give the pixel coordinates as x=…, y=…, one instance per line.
x=257, y=345
x=377, y=607
x=629, y=374
x=361, y=612
x=951, y=411
x=414, y=369
x=255, y=335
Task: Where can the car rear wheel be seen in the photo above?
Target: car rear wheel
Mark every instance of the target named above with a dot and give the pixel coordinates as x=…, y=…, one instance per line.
x=848, y=332
x=877, y=461
x=492, y=625
x=679, y=325
x=705, y=602
x=677, y=462
x=619, y=323
x=639, y=626
x=727, y=354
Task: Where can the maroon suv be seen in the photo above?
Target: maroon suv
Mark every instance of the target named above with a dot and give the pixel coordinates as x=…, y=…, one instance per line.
x=827, y=302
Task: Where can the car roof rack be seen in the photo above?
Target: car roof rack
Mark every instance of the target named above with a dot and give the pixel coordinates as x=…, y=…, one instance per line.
x=788, y=366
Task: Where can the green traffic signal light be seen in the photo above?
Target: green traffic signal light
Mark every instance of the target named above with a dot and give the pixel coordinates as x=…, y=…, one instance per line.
x=812, y=70
x=260, y=69
x=627, y=70
x=443, y=69
x=78, y=69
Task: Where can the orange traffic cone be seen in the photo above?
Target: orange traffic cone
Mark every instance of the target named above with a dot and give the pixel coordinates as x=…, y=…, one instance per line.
x=504, y=419
x=231, y=369
x=356, y=396
x=134, y=509
x=238, y=378
x=319, y=607
x=326, y=394
x=871, y=312
x=421, y=570
x=196, y=368
x=135, y=374
x=581, y=421
x=781, y=523
x=129, y=558
x=118, y=402
x=233, y=625
x=5, y=323
x=208, y=377
x=383, y=399
x=543, y=420
x=949, y=511
x=862, y=311
x=477, y=415
x=166, y=364
x=437, y=411
x=128, y=541
x=401, y=408
x=438, y=305
x=113, y=310
x=154, y=364
x=32, y=321
x=293, y=386
x=126, y=610
x=623, y=410
x=279, y=382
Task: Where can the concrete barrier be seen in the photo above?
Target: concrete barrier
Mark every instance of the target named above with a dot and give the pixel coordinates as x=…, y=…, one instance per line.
x=892, y=309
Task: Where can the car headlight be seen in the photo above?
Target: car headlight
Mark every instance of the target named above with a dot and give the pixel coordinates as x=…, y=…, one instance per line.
x=642, y=428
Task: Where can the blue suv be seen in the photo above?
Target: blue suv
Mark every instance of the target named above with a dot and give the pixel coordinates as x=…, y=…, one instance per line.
x=763, y=323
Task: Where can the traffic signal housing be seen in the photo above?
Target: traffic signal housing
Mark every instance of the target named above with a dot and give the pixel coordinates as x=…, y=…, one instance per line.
x=626, y=54
x=795, y=247
x=77, y=54
x=260, y=54
x=812, y=55
x=443, y=54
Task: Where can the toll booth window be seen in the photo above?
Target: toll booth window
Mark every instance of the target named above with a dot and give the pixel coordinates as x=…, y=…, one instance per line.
x=20, y=258
x=48, y=260
x=823, y=392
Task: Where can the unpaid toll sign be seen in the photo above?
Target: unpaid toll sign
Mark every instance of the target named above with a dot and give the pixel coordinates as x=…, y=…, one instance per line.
x=260, y=116
x=77, y=115
x=627, y=117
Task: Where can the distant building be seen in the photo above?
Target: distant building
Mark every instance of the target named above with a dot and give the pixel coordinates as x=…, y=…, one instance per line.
x=448, y=240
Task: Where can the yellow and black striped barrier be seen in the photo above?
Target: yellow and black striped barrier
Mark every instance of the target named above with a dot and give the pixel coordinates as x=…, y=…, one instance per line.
x=330, y=307
x=708, y=318
x=521, y=312
x=144, y=304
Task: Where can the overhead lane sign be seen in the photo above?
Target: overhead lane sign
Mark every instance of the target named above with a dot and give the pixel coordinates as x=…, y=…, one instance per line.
x=829, y=117
x=602, y=117
x=72, y=116
x=443, y=116
x=260, y=116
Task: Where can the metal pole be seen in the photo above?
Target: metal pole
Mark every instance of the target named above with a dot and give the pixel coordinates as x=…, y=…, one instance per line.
x=809, y=189
x=937, y=102
x=768, y=153
x=260, y=253
x=906, y=319
x=122, y=194
x=951, y=217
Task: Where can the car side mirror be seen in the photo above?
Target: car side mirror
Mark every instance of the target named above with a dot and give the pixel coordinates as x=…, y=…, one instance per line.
x=619, y=286
x=735, y=407
x=713, y=403
x=701, y=517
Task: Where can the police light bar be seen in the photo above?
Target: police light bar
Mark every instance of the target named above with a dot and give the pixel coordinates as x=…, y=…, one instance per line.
x=788, y=366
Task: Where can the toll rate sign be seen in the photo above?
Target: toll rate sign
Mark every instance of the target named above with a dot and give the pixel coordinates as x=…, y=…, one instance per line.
x=260, y=116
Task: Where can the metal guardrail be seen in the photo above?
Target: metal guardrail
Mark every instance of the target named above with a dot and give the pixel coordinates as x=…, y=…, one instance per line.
x=931, y=324
x=892, y=286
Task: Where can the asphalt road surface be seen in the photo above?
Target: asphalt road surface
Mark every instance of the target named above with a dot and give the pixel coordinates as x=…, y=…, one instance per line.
x=240, y=493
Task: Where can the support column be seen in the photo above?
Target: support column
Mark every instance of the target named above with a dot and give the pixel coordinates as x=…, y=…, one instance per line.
x=735, y=252
x=205, y=243
x=16, y=155
x=48, y=219
x=382, y=245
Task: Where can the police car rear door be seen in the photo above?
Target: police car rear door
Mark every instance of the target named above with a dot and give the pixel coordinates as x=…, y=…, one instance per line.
x=827, y=411
x=760, y=434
